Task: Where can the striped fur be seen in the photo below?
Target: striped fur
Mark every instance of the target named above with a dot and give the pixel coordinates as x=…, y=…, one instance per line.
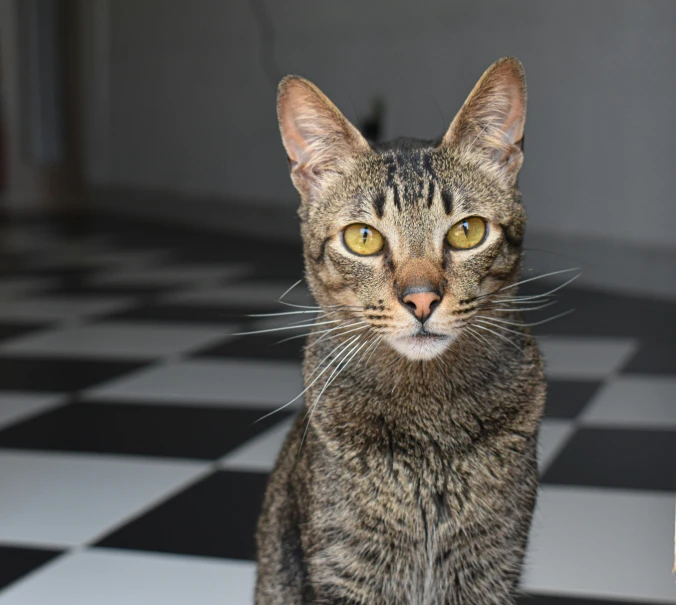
x=410, y=481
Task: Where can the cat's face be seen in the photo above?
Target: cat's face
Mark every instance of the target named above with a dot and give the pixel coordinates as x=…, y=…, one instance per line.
x=408, y=236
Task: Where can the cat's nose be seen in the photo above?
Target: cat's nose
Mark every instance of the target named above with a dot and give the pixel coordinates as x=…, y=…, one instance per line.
x=421, y=302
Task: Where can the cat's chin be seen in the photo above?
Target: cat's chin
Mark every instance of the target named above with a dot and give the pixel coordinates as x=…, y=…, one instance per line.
x=421, y=347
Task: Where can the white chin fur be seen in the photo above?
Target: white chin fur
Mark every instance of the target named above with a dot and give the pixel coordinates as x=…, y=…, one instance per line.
x=420, y=348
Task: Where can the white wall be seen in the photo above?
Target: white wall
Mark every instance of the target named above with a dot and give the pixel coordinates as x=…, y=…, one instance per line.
x=191, y=109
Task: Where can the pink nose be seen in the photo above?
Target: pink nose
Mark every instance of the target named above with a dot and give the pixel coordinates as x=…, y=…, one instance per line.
x=422, y=303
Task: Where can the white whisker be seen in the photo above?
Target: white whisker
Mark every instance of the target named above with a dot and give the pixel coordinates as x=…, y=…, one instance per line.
x=484, y=339
x=325, y=332
x=344, y=345
x=498, y=326
x=481, y=327
x=319, y=323
x=282, y=313
x=289, y=289
x=379, y=341
x=525, y=281
x=530, y=325
x=516, y=309
x=329, y=380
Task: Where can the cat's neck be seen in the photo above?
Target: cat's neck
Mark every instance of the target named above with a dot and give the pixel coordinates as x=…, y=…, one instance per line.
x=368, y=363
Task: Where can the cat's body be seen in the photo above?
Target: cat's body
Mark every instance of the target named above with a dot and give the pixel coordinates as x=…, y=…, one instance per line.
x=410, y=478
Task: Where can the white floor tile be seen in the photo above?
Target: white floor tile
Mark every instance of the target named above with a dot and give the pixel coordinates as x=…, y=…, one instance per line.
x=602, y=543
x=264, y=384
x=259, y=454
x=59, y=308
x=69, y=499
x=15, y=407
x=585, y=357
x=261, y=295
x=118, y=339
x=171, y=274
x=109, y=577
x=554, y=434
x=634, y=401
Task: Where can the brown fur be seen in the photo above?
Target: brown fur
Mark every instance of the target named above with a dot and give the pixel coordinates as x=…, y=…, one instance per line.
x=408, y=481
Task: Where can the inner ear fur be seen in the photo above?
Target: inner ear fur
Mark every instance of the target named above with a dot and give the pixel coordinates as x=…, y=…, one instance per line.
x=493, y=117
x=318, y=139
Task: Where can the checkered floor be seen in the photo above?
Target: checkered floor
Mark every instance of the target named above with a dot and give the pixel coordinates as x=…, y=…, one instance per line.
x=132, y=471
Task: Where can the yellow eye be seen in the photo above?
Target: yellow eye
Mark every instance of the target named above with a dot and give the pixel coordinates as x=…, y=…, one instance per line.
x=362, y=239
x=468, y=233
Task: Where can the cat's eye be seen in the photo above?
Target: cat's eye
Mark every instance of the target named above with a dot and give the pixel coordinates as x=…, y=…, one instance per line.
x=363, y=239
x=467, y=233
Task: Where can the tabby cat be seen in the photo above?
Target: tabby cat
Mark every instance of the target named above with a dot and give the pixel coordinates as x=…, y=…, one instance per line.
x=410, y=478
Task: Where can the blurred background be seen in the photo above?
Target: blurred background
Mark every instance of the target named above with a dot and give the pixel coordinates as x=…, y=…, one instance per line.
x=146, y=207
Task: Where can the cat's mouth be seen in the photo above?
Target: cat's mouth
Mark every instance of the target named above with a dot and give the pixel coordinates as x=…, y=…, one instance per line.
x=422, y=345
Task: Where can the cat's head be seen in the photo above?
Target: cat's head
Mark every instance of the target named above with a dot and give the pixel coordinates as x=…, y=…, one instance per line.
x=407, y=235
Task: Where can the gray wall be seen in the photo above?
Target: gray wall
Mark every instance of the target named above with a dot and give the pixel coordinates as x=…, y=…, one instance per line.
x=191, y=108
x=24, y=187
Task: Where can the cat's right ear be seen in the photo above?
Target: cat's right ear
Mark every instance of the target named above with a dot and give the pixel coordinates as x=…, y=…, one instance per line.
x=319, y=141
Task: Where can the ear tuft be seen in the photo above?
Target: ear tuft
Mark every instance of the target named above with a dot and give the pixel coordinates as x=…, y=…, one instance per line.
x=493, y=117
x=318, y=139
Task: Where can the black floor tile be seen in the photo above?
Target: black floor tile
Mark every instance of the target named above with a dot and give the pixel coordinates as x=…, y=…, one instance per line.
x=567, y=399
x=13, y=330
x=214, y=518
x=619, y=458
x=653, y=358
x=84, y=289
x=137, y=429
x=290, y=272
x=262, y=346
x=186, y=313
x=606, y=314
x=63, y=375
x=17, y=562
x=63, y=272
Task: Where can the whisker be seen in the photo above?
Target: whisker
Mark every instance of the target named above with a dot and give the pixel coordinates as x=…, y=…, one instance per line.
x=535, y=296
x=323, y=332
x=499, y=327
x=326, y=384
x=481, y=327
x=519, y=300
x=373, y=342
x=484, y=339
x=379, y=341
x=344, y=345
x=529, y=325
x=392, y=363
x=319, y=323
x=288, y=304
x=525, y=281
x=325, y=315
x=289, y=289
x=318, y=310
x=516, y=309
x=325, y=335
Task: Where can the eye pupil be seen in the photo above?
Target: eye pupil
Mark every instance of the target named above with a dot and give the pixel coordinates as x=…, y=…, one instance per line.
x=364, y=235
x=465, y=228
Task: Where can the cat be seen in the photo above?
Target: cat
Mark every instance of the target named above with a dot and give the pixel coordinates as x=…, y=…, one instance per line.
x=411, y=476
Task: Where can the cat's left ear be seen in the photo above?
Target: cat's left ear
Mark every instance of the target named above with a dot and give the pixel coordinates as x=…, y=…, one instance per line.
x=493, y=117
x=319, y=141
